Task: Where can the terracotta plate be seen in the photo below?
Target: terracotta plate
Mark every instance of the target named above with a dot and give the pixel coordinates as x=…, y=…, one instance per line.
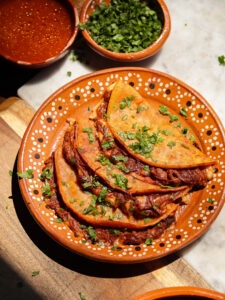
x=41, y=138
x=181, y=293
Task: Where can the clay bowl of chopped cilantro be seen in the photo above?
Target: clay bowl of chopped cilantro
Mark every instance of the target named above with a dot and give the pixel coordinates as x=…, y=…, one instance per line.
x=125, y=31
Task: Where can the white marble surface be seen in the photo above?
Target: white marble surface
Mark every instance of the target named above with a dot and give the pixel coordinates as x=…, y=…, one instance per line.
x=191, y=54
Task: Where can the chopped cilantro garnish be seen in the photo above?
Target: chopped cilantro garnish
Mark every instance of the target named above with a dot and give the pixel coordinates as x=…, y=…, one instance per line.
x=124, y=26
x=126, y=135
x=103, y=160
x=221, y=59
x=59, y=220
x=145, y=142
x=192, y=138
x=26, y=174
x=46, y=174
x=166, y=132
x=92, y=234
x=107, y=144
x=91, y=210
x=82, y=296
x=102, y=194
x=164, y=110
x=120, y=181
x=141, y=108
x=146, y=168
x=115, y=231
x=171, y=144
x=126, y=102
x=46, y=190
x=210, y=200
x=118, y=158
x=173, y=118
x=148, y=241
x=69, y=73
x=183, y=111
x=146, y=220
x=184, y=131
x=35, y=273
x=91, y=137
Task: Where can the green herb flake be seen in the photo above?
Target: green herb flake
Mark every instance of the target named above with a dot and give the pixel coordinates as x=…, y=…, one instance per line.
x=26, y=174
x=192, y=138
x=69, y=73
x=146, y=220
x=126, y=135
x=221, y=59
x=107, y=144
x=118, y=158
x=166, y=132
x=148, y=241
x=116, y=248
x=171, y=144
x=210, y=200
x=82, y=296
x=65, y=183
x=115, y=231
x=164, y=110
x=91, y=137
x=10, y=173
x=183, y=112
x=46, y=190
x=120, y=181
x=103, y=160
x=184, y=131
x=35, y=273
x=145, y=142
x=173, y=118
x=92, y=234
x=126, y=102
x=58, y=220
x=91, y=210
x=141, y=108
x=46, y=173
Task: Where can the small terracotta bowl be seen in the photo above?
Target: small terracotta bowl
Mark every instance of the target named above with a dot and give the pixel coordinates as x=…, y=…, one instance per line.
x=41, y=33
x=163, y=14
x=181, y=292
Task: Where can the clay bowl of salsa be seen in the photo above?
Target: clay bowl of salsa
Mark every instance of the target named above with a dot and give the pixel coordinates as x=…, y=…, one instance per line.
x=36, y=33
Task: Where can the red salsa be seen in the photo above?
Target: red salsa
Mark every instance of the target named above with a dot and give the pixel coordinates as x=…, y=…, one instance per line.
x=34, y=30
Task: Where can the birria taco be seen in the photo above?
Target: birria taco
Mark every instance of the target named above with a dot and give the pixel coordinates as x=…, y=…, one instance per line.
x=123, y=168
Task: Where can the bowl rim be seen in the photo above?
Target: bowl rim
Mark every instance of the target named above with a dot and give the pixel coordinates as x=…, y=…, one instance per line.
x=181, y=291
x=132, y=56
x=74, y=12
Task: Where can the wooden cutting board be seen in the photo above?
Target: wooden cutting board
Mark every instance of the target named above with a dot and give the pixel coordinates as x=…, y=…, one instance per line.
x=33, y=266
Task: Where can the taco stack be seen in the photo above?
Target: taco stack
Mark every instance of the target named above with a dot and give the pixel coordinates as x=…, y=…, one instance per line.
x=124, y=168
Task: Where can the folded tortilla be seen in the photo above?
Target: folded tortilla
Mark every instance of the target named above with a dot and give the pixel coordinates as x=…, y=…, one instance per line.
x=152, y=132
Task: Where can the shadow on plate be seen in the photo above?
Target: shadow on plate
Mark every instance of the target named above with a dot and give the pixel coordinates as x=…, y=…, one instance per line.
x=69, y=259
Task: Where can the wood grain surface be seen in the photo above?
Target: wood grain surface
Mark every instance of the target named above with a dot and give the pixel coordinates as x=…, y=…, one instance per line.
x=26, y=250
